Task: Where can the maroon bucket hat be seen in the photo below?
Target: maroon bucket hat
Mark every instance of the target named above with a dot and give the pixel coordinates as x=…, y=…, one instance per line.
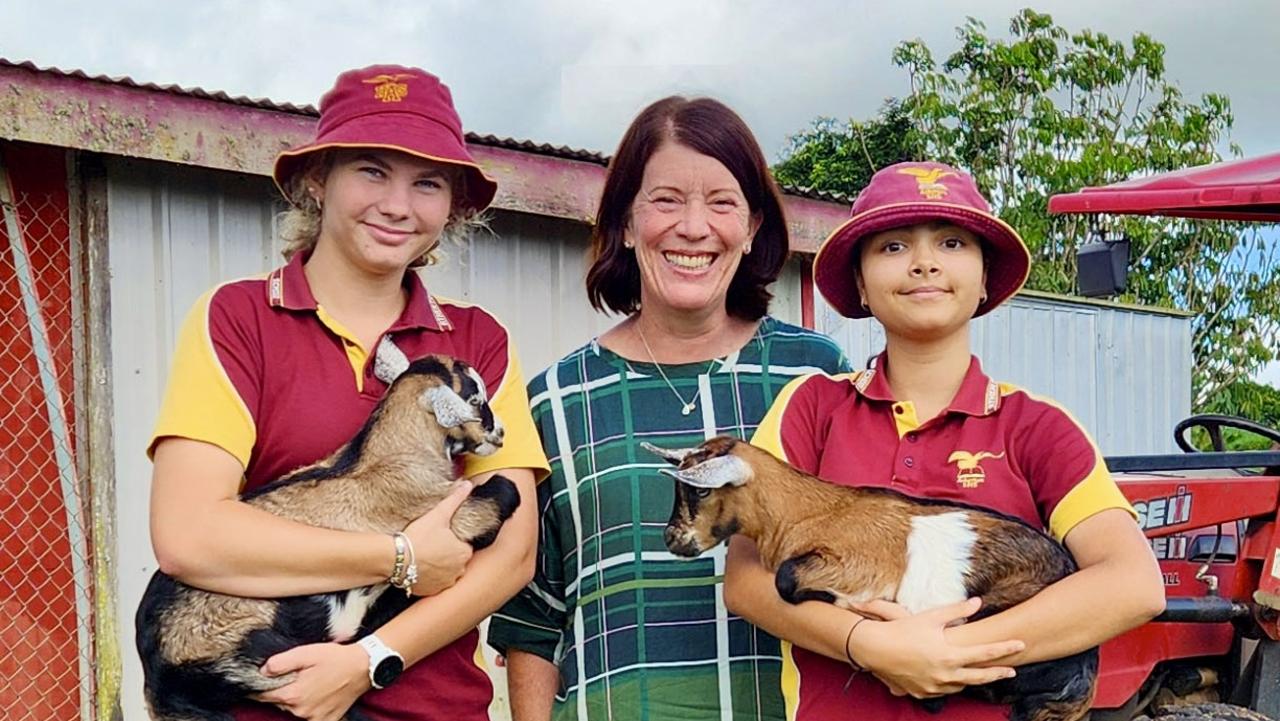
x=397, y=108
x=919, y=192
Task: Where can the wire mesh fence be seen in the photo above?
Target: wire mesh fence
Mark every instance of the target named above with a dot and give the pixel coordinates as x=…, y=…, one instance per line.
x=45, y=557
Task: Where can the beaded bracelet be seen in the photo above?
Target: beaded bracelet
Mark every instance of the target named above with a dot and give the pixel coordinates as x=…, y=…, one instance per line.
x=404, y=573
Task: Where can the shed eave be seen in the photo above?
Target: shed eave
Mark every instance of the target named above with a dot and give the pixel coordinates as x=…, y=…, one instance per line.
x=100, y=115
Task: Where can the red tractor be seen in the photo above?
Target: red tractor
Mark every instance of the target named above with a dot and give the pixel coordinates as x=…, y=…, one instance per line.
x=1211, y=517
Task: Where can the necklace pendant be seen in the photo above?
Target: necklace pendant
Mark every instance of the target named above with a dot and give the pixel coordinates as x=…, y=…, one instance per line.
x=688, y=408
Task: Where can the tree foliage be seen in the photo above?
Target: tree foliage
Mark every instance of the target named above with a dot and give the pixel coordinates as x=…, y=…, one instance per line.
x=1046, y=111
x=841, y=158
x=1245, y=399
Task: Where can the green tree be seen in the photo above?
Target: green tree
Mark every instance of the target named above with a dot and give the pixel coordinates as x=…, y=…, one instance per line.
x=1046, y=111
x=841, y=158
x=1245, y=399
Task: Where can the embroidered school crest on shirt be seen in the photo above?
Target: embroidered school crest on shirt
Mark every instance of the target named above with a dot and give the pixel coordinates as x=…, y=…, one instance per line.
x=968, y=473
x=389, y=88
x=927, y=181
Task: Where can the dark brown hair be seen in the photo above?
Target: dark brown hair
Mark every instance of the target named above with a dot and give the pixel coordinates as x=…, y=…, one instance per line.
x=711, y=128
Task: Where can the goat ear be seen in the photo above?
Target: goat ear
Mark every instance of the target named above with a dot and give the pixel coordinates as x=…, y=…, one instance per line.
x=674, y=456
x=448, y=407
x=389, y=361
x=716, y=472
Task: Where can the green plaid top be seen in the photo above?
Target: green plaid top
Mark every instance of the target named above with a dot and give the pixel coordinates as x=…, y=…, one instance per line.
x=644, y=632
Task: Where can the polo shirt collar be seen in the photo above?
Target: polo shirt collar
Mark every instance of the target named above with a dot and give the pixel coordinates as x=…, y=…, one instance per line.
x=978, y=395
x=287, y=288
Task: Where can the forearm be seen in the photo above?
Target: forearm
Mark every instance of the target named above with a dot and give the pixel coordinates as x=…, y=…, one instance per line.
x=205, y=536
x=532, y=682
x=749, y=591
x=233, y=548
x=1076, y=613
x=494, y=575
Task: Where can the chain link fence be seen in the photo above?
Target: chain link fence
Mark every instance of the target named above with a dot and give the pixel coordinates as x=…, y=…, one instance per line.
x=45, y=558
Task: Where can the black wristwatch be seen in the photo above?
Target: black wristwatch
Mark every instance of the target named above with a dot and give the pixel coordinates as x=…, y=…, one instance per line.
x=385, y=665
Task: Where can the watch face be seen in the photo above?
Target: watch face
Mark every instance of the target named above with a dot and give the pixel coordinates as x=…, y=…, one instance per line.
x=387, y=670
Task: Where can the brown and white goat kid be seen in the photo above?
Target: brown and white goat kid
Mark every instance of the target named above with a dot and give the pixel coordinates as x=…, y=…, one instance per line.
x=201, y=651
x=847, y=545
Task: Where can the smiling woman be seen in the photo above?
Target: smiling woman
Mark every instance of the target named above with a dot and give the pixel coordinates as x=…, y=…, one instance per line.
x=689, y=236
x=274, y=373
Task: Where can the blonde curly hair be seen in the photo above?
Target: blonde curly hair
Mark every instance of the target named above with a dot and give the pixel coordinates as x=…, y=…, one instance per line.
x=300, y=222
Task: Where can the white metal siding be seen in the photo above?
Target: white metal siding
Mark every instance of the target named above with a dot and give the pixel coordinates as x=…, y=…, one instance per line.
x=1124, y=374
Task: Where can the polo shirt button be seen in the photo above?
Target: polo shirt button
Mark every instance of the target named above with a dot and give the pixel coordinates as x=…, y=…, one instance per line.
x=912, y=437
x=909, y=462
x=898, y=409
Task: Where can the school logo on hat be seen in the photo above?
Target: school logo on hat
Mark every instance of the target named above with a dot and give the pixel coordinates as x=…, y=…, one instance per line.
x=391, y=107
x=388, y=88
x=927, y=180
x=968, y=473
x=914, y=192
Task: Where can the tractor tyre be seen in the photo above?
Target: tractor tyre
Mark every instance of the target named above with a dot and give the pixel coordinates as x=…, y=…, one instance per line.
x=1207, y=712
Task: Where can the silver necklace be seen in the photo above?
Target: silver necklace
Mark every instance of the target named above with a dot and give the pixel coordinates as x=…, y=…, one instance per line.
x=686, y=407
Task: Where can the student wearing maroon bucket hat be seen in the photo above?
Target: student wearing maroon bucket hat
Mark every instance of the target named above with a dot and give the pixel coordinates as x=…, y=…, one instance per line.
x=275, y=372
x=923, y=254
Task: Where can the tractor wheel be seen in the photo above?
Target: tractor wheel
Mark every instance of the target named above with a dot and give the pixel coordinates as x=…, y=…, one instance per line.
x=1206, y=712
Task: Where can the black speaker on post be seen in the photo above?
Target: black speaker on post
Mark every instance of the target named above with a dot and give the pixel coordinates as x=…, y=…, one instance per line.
x=1102, y=266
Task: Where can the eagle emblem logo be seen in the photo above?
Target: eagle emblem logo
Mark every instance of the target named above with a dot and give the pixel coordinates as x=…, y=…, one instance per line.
x=389, y=88
x=968, y=473
x=928, y=181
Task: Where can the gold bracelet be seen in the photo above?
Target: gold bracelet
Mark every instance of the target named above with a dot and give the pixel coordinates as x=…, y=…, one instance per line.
x=397, y=577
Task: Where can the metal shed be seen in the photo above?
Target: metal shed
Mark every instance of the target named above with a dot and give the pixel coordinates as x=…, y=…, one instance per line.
x=129, y=200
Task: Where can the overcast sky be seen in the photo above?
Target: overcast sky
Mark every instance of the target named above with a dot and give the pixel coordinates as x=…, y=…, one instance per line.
x=576, y=72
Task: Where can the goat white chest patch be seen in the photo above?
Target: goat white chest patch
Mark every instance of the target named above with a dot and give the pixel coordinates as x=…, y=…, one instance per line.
x=939, y=554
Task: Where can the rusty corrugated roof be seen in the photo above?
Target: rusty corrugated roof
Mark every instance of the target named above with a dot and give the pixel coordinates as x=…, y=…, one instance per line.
x=508, y=143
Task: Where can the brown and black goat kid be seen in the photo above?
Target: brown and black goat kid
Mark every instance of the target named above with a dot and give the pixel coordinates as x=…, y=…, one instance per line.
x=848, y=545
x=201, y=651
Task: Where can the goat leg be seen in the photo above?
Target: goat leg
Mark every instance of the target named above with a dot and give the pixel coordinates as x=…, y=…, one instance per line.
x=793, y=576
x=481, y=516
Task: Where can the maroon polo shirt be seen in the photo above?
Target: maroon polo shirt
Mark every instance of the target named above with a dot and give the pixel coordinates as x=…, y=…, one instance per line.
x=262, y=371
x=995, y=446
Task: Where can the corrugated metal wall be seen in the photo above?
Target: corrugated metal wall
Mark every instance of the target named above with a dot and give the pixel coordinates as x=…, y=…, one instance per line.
x=1125, y=374
x=176, y=232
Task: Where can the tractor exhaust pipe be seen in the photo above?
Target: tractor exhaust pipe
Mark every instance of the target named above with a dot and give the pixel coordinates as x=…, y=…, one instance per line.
x=1204, y=609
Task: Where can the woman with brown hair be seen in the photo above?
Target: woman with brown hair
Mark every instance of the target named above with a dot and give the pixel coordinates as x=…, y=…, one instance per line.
x=690, y=233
